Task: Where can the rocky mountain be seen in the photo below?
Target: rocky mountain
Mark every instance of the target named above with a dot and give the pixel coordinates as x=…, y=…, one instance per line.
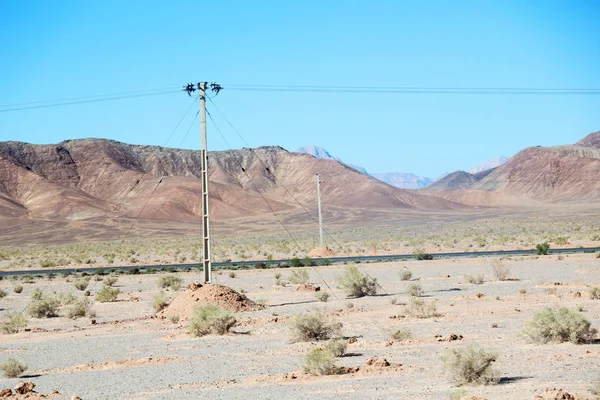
x=569, y=173
x=403, y=180
x=490, y=164
x=323, y=154
x=87, y=178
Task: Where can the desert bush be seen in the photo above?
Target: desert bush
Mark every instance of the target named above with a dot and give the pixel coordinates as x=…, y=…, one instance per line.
x=210, y=318
x=542, y=248
x=595, y=293
x=17, y=289
x=457, y=393
x=44, y=307
x=420, y=308
x=337, y=347
x=501, y=271
x=81, y=284
x=314, y=326
x=3, y=294
x=402, y=334
x=322, y=296
x=308, y=262
x=13, y=322
x=232, y=274
x=405, y=275
x=277, y=275
x=12, y=368
x=561, y=240
x=170, y=281
x=80, y=308
x=110, y=280
x=557, y=326
x=107, y=295
x=321, y=362
x=174, y=318
x=36, y=294
x=295, y=262
x=422, y=255
x=522, y=291
x=470, y=365
x=160, y=301
x=324, y=261
x=476, y=279
x=415, y=289
x=66, y=299
x=349, y=305
x=355, y=284
x=299, y=276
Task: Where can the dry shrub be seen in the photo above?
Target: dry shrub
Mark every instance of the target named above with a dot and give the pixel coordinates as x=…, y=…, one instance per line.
x=17, y=289
x=160, y=301
x=476, y=279
x=500, y=269
x=557, y=326
x=110, y=280
x=322, y=296
x=402, y=334
x=45, y=307
x=12, y=368
x=405, y=275
x=67, y=299
x=3, y=294
x=470, y=365
x=337, y=347
x=415, y=289
x=355, y=284
x=299, y=276
x=321, y=362
x=313, y=326
x=82, y=284
x=80, y=308
x=170, y=281
x=13, y=322
x=595, y=293
x=420, y=308
x=107, y=295
x=210, y=318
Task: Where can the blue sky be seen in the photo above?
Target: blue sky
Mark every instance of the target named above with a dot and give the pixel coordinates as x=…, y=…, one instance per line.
x=63, y=49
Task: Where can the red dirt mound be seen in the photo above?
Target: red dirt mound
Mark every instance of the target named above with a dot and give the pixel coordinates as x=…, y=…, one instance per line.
x=197, y=294
x=320, y=252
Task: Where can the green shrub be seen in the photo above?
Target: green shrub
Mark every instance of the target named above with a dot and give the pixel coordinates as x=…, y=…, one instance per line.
x=355, y=284
x=476, y=279
x=402, y=334
x=405, y=275
x=419, y=308
x=470, y=365
x=160, y=301
x=299, y=276
x=313, y=326
x=13, y=322
x=322, y=296
x=45, y=307
x=421, y=255
x=308, y=262
x=337, y=347
x=17, y=289
x=321, y=362
x=80, y=308
x=415, y=290
x=110, y=280
x=210, y=318
x=81, y=284
x=557, y=326
x=12, y=368
x=595, y=293
x=542, y=248
x=170, y=281
x=107, y=295
x=324, y=261
x=295, y=262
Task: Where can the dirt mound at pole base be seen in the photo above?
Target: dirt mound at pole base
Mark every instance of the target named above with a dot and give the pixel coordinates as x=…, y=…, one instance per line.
x=320, y=252
x=197, y=294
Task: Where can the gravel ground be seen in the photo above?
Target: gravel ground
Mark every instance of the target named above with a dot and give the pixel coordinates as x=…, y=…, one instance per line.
x=130, y=355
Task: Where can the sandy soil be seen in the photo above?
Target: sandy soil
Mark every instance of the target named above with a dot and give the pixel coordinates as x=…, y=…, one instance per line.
x=130, y=354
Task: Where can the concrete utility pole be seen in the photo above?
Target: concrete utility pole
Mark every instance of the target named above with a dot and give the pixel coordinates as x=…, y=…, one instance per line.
x=321, y=244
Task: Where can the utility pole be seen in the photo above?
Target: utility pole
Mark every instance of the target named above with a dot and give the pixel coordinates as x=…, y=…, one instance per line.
x=321, y=244
x=189, y=89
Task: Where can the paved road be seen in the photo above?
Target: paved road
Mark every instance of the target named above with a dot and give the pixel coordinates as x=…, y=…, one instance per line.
x=258, y=263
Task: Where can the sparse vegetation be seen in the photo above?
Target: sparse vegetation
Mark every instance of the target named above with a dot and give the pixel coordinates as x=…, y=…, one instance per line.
x=3, y=294
x=321, y=362
x=172, y=282
x=595, y=293
x=337, y=347
x=475, y=279
x=82, y=284
x=355, y=284
x=402, y=334
x=457, y=393
x=322, y=296
x=12, y=368
x=419, y=308
x=299, y=276
x=470, y=365
x=500, y=269
x=542, y=248
x=13, y=322
x=415, y=290
x=174, y=318
x=107, y=294
x=210, y=318
x=110, y=280
x=44, y=307
x=80, y=308
x=160, y=301
x=557, y=326
x=405, y=275
x=314, y=326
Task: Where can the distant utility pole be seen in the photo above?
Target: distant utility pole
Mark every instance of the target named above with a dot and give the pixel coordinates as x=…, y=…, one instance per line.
x=321, y=244
x=189, y=89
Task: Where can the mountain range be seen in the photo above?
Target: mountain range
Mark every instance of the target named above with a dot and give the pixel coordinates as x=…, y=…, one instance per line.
x=402, y=180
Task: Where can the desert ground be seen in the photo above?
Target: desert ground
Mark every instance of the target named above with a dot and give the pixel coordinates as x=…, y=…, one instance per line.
x=130, y=352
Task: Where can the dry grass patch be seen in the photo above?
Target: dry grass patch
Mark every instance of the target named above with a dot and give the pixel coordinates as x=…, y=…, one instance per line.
x=476, y=279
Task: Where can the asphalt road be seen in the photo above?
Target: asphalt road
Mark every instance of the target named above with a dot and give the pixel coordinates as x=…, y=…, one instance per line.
x=275, y=263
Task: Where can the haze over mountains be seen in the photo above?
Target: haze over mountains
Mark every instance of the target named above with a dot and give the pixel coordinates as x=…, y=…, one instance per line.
x=402, y=180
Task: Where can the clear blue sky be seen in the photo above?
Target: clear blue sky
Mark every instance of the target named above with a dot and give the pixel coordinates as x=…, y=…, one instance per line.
x=62, y=49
